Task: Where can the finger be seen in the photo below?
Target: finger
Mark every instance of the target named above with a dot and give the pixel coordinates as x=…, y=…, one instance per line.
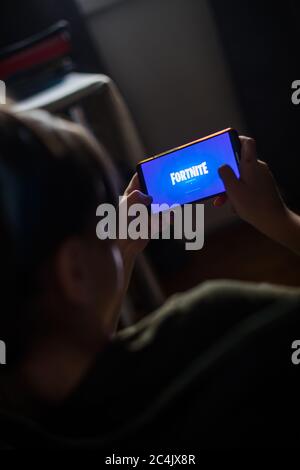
x=220, y=200
x=133, y=185
x=137, y=197
x=230, y=180
x=248, y=150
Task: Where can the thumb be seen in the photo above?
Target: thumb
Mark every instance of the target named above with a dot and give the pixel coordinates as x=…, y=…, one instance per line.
x=230, y=180
x=138, y=197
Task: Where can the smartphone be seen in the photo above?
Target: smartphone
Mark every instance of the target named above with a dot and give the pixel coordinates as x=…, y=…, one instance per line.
x=189, y=173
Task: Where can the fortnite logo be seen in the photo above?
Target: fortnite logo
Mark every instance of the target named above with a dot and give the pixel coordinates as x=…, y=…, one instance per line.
x=189, y=173
x=2, y=92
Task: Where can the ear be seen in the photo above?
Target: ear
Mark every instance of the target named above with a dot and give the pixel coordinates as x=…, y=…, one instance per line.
x=73, y=272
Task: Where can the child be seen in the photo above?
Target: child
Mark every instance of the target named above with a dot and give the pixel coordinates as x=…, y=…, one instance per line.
x=70, y=380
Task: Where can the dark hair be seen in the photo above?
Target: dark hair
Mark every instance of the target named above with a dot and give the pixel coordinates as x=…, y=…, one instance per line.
x=53, y=175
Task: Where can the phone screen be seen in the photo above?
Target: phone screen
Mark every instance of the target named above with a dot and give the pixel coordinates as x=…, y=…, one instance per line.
x=190, y=173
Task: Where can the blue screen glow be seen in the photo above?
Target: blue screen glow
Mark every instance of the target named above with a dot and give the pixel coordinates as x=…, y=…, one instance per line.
x=191, y=173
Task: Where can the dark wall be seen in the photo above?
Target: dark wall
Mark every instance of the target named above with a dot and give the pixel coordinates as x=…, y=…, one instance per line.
x=260, y=43
x=22, y=19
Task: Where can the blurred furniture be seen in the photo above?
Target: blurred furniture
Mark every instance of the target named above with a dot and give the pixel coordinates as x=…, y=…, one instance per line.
x=35, y=63
x=21, y=20
x=94, y=101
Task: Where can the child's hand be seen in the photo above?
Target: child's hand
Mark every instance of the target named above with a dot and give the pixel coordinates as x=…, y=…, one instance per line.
x=254, y=197
x=131, y=248
x=134, y=195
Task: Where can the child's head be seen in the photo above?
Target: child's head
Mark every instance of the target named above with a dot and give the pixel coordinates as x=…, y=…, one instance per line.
x=56, y=276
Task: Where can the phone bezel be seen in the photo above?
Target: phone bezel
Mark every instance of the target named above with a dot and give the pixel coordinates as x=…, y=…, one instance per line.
x=236, y=145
